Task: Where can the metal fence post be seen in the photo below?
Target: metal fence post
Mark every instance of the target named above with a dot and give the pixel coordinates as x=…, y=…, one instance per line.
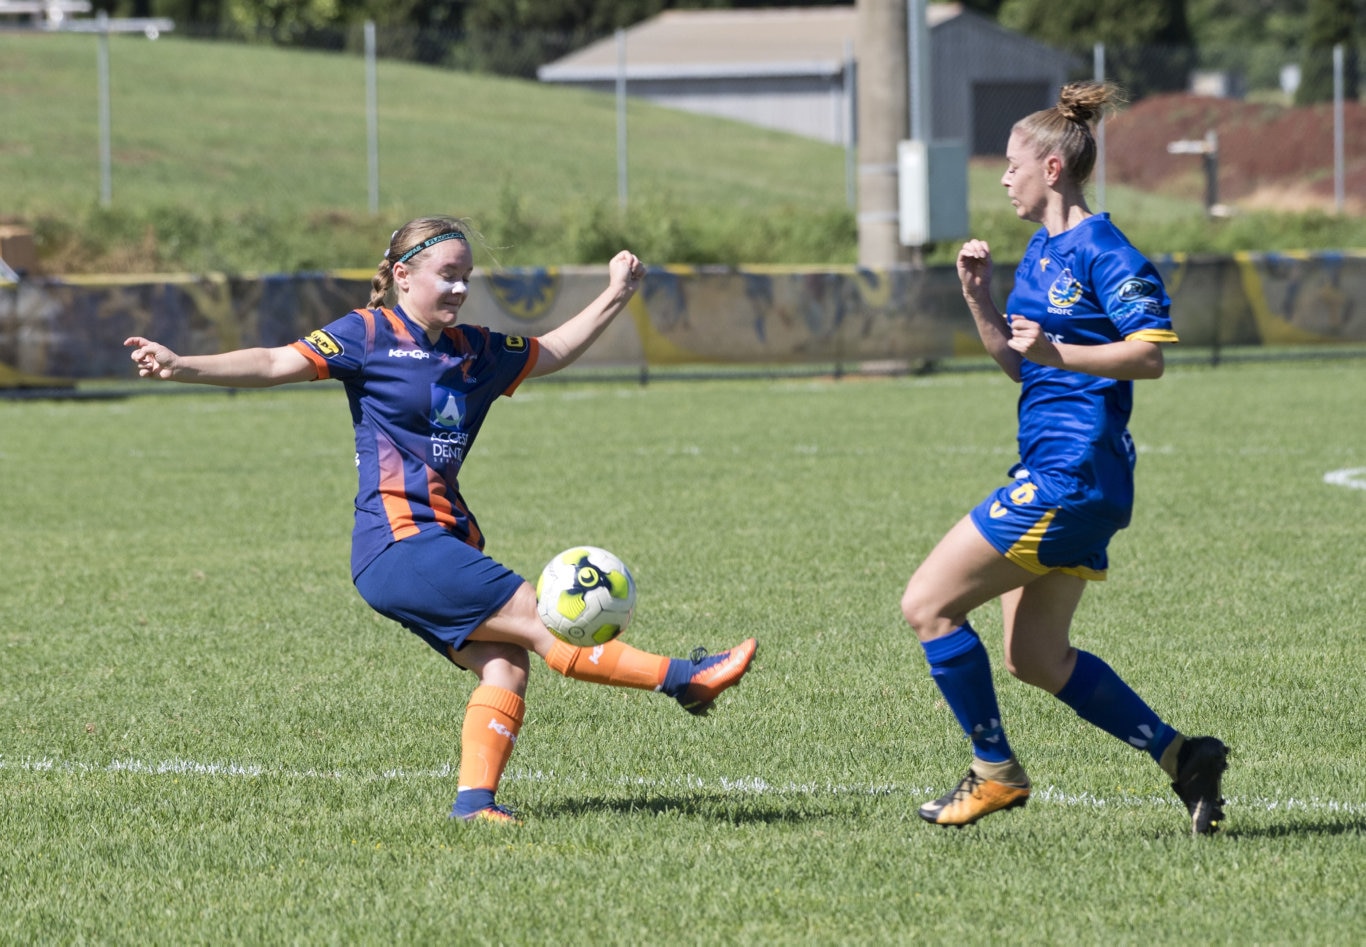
x=1339, y=161
x=621, y=118
x=850, y=127
x=371, y=117
x=106, y=133
x=1098, y=59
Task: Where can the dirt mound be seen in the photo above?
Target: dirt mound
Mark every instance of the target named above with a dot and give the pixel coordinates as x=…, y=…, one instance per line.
x=1270, y=156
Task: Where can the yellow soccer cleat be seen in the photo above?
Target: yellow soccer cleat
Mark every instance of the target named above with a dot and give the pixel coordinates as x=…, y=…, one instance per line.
x=495, y=814
x=974, y=797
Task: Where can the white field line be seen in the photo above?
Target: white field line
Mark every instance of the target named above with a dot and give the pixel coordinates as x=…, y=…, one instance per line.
x=1350, y=477
x=739, y=786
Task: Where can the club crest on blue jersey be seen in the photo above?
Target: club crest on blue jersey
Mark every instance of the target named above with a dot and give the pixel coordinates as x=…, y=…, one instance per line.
x=448, y=408
x=1065, y=290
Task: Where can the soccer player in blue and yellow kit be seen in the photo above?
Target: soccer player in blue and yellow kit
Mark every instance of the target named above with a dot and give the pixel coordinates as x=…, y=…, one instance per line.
x=1087, y=316
x=420, y=385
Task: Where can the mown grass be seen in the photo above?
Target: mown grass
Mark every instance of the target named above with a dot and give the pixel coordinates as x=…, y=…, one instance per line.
x=249, y=159
x=206, y=737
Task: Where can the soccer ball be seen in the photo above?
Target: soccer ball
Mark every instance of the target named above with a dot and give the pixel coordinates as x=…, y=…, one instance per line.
x=585, y=596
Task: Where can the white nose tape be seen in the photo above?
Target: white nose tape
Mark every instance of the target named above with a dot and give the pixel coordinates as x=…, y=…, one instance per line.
x=458, y=286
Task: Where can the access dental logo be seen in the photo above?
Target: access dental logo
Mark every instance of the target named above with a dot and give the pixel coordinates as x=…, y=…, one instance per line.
x=448, y=408
x=448, y=441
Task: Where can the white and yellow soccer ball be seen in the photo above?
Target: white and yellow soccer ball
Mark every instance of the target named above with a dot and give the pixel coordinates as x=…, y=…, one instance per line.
x=586, y=596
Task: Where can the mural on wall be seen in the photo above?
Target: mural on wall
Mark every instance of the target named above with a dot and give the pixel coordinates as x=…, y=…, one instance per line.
x=54, y=330
x=1298, y=298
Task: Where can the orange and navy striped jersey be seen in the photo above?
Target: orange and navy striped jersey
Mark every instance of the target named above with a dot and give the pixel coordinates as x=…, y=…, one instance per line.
x=416, y=408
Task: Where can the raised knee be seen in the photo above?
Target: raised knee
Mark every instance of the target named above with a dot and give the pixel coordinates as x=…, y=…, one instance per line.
x=1021, y=672
x=1038, y=671
x=912, y=610
x=510, y=668
x=925, y=618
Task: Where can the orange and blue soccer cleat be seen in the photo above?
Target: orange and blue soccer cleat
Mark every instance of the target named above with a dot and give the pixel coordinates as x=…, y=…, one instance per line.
x=1200, y=771
x=975, y=796
x=496, y=814
x=712, y=674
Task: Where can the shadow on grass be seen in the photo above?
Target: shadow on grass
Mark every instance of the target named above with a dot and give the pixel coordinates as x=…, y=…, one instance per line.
x=1299, y=829
x=719, y=807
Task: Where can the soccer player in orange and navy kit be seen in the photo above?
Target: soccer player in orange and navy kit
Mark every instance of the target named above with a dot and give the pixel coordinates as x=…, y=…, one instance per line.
x=1088, y=316
x=420, y=385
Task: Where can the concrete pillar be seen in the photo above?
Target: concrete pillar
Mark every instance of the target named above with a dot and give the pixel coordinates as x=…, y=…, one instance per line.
x=883, y=121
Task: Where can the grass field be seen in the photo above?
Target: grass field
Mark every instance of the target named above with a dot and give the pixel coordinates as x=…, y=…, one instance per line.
x=206, y=737
x=253, y=158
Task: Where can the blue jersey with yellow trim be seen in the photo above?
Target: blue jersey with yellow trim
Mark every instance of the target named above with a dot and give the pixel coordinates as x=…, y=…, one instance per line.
x=1086, y=286
x=416, y=407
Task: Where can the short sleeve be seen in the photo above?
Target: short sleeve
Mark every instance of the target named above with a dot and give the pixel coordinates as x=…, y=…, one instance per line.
x=338, y=349
x=1134, y=298
x=507, y=358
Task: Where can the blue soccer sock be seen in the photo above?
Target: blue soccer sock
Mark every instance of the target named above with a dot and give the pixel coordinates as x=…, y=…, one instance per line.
x=679, y=673
x=1101, y=698
x=470, y=801
x=960, y=666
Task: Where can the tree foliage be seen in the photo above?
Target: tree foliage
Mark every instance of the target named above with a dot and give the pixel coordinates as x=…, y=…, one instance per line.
x=989, y=8
x=511, y=37
x=1150, y=44
x=1224, y=23
x=1330, y=23
x=1149, y=47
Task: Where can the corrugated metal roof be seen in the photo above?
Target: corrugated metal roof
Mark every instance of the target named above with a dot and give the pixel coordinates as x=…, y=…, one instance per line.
x=706, y=43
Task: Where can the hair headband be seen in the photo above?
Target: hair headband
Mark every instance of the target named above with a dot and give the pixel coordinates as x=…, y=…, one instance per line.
x=429, y=242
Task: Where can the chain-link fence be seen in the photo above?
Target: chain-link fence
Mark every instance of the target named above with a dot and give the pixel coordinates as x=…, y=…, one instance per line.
x=1231, y=113
x=1244, y=98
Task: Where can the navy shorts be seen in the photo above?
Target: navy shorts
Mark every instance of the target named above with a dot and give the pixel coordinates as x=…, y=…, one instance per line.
x=437, y=586
x=1037, y=533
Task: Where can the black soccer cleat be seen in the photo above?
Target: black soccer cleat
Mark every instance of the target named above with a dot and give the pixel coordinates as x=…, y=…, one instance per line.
x=1200, y=767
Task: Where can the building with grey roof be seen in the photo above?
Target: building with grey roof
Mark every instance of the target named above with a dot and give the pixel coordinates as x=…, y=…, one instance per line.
x=793, y=69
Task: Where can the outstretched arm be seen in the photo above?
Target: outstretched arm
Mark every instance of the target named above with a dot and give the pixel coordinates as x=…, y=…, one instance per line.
x=565, y=343
x=243, y=368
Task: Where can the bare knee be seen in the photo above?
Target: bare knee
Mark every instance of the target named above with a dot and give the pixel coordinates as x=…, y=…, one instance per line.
x=514, y=664
x=496, y=663
x=1046, y=671
x=926, y=617
x=1022, y=670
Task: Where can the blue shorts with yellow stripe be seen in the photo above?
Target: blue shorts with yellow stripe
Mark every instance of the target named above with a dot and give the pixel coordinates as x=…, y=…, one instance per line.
x=1036, y=532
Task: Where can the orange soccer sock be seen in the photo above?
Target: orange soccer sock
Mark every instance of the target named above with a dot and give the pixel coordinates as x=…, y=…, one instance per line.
x=614, y=663
x=492, y=719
